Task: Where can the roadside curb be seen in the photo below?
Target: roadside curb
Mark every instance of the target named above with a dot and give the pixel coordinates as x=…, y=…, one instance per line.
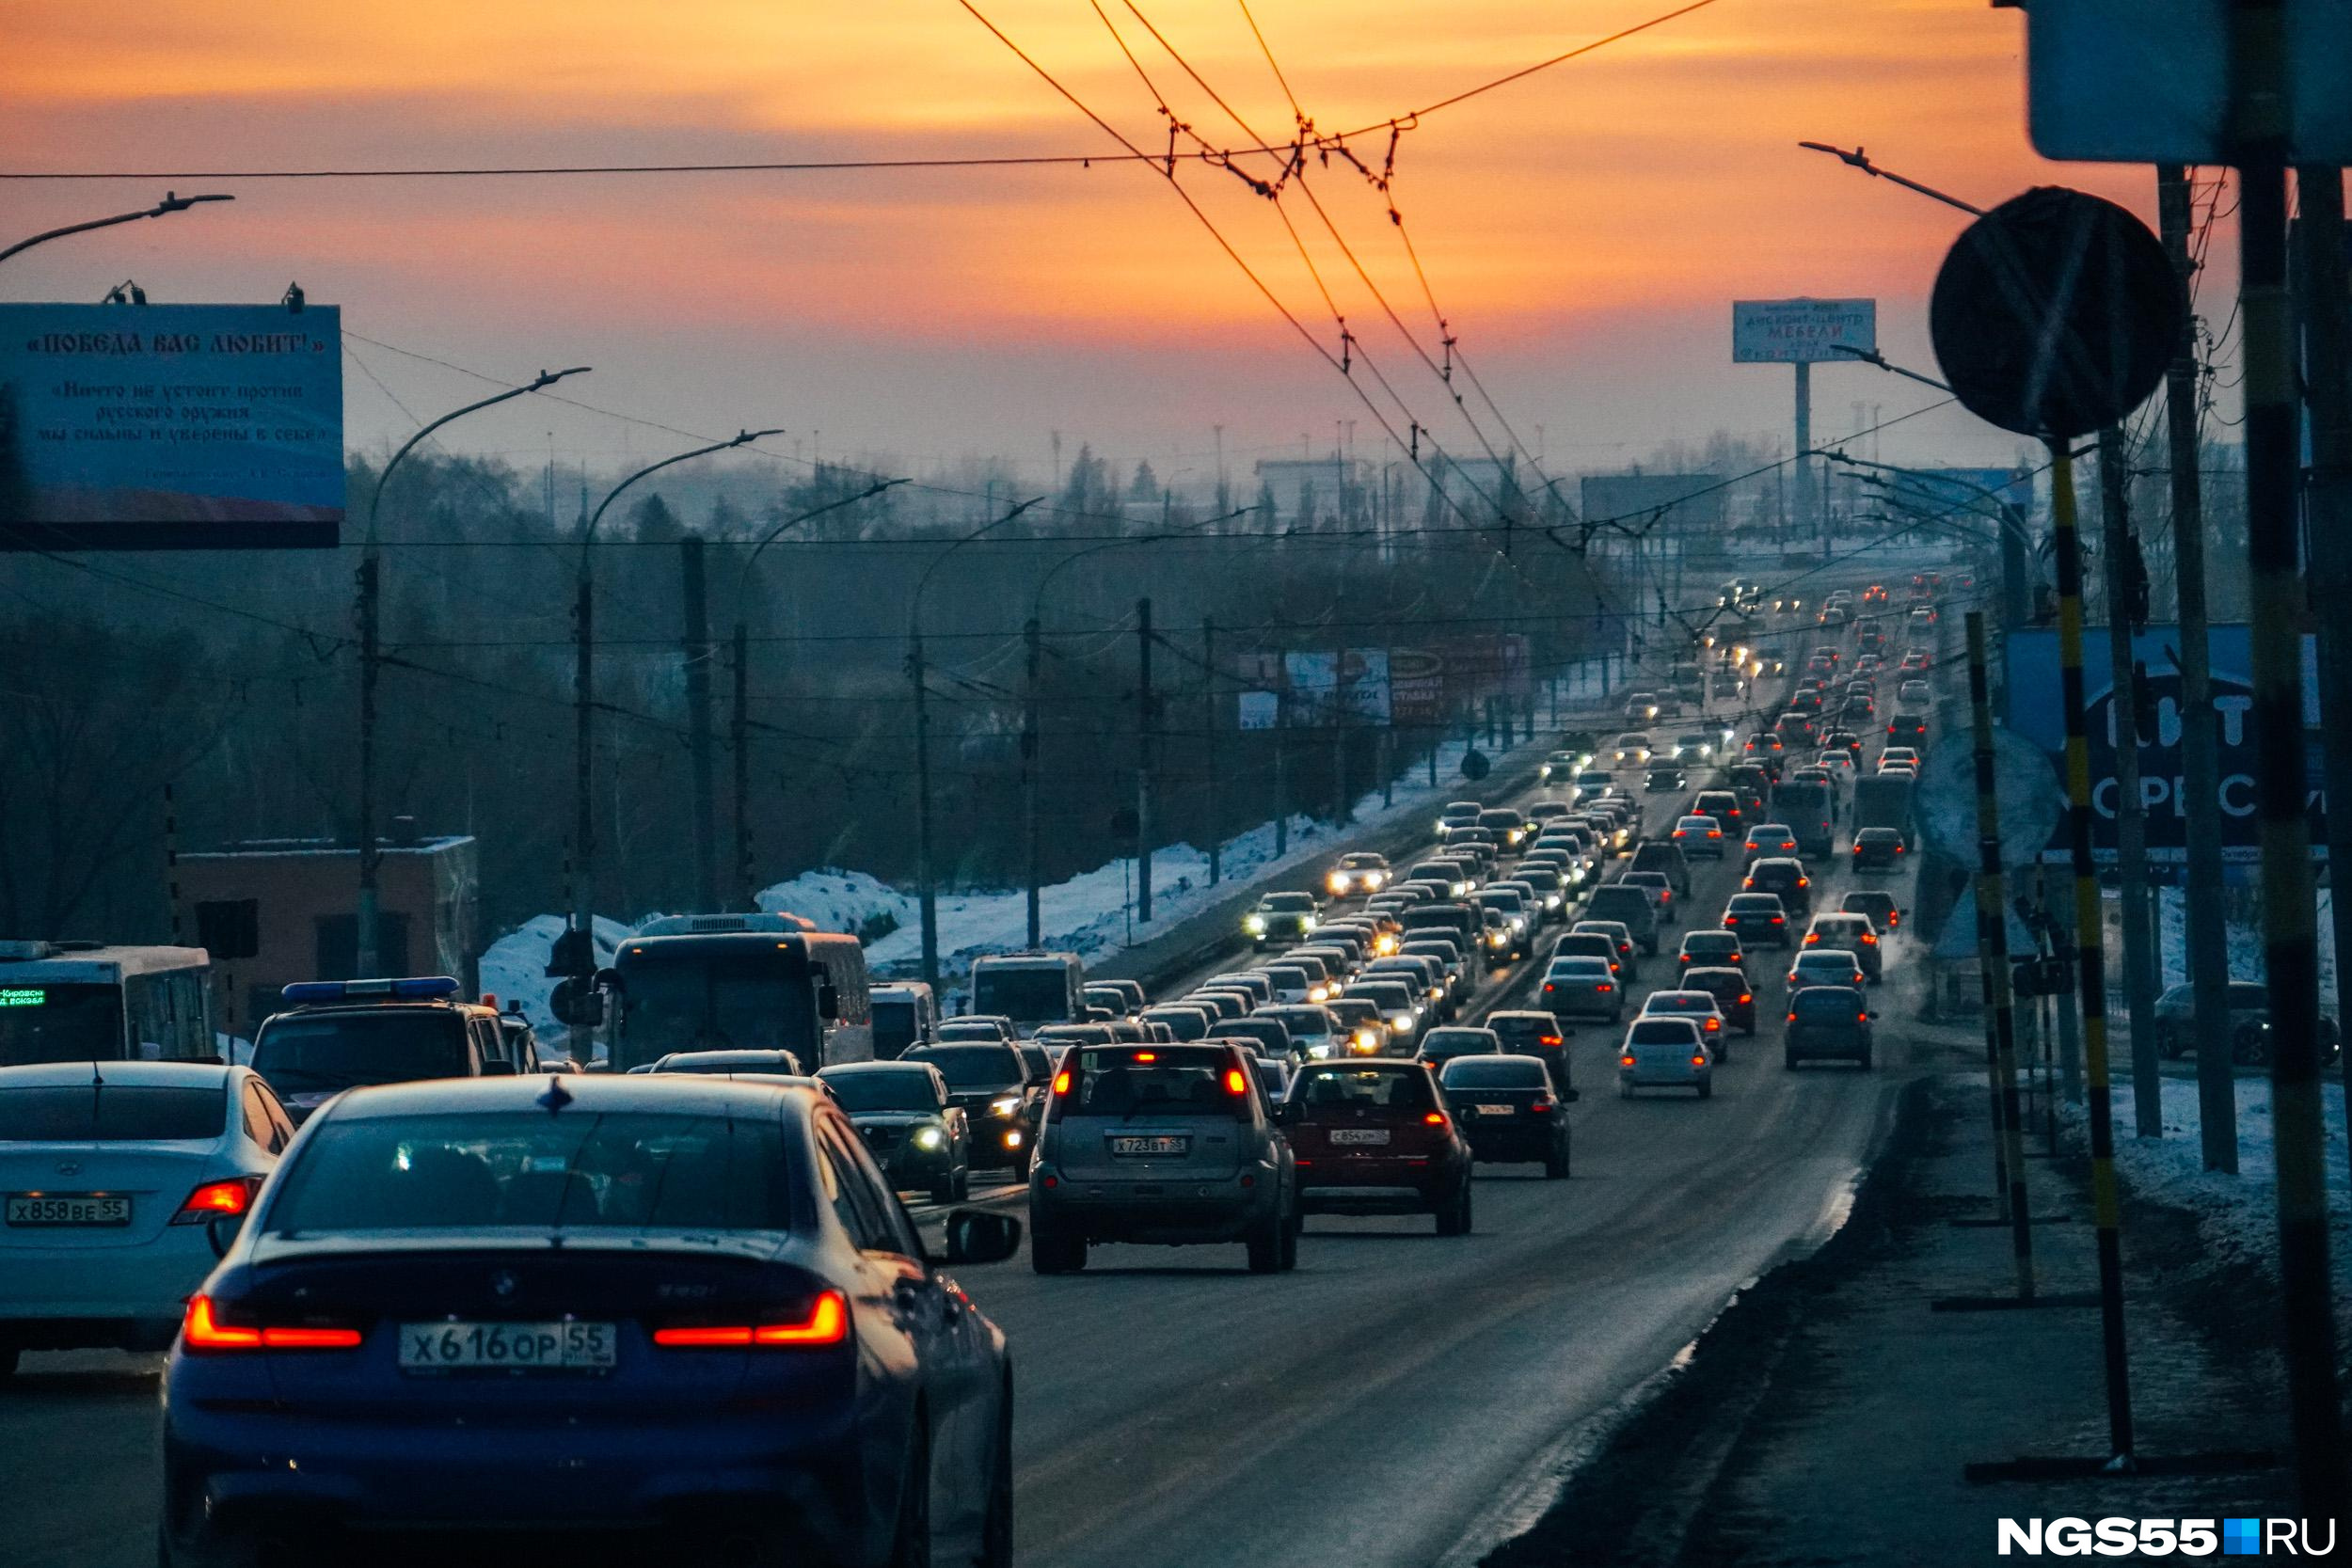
x=1637, y=1476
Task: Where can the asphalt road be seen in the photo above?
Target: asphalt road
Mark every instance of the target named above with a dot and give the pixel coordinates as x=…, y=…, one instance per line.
x=1386, y=1404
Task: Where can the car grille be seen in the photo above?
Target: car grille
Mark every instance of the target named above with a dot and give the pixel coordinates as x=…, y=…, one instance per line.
x=884, y=1137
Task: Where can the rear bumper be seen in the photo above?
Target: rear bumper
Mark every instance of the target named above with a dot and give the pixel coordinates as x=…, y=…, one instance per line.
x=1160, y=1213
x=1663, y=1077
x=800, y=1475
x=1826, y=1048
x=149, y=1283
x=1530, y=1139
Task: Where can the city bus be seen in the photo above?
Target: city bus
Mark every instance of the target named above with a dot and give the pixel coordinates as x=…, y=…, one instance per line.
x=739, y=982
x=89, y=1002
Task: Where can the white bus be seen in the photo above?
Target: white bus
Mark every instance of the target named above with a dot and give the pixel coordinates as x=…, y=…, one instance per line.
x=87, y=1002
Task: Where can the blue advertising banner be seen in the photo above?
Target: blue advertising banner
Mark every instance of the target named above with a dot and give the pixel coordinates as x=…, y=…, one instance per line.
x=171, y=426
x=2034, y=713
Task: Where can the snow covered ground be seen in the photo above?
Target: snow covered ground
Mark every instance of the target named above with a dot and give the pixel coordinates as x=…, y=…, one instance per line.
x=2237, y=1215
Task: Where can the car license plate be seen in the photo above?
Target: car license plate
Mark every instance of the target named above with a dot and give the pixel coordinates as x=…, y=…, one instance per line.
x=472, y=1347
x=1360, y=1134
x=1150, y=1146
x=65, y=1209
x=1498, y=1110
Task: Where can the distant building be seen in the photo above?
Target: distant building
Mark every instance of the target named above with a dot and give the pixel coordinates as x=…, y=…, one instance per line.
x=275, y=910
x=1296, y=483
x=1476, y=487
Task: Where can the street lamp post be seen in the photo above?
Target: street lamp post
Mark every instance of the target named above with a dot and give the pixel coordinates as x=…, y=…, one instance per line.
x=583, y=685
x=927, y=890
x=365, y=945
x=740, y=728
x=170, y=203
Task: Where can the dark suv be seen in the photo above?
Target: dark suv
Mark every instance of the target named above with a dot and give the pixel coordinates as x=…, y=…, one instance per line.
x=1785, y=876
x=990, y=1084
x=1377, y=1137
x=1828, y=1021
x=1169, y=1145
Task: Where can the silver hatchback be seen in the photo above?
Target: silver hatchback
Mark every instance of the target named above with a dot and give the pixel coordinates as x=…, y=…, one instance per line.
x=1165, y=1144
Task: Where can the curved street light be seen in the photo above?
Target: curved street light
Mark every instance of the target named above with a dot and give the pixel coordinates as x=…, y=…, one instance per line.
x=926, y=891
x=170, y=203
x=583, y=684
x=365, y=952
x=738, y=731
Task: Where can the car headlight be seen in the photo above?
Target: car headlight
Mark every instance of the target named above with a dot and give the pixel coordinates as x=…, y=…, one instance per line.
x=1403, y=1019
x=929, y=1137
x=1005, y=1106
x=1496, y=938
x=1373, y=879
x=1318, y=993
x=1384, y=943
x=1254, y=924
x=1320, y=1049
x=1337, y=882
x=1552, y=900
x=1367, y=1039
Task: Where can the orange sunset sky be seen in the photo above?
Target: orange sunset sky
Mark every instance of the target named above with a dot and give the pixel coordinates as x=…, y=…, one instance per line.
x=1583, y=229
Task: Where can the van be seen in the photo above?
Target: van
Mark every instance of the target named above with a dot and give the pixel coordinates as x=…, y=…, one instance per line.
x=1630, y=905
x=1031, y=988
x=1662, y=855
x=905, y=1015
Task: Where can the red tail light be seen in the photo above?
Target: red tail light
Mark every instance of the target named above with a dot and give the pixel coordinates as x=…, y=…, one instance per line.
x=1812, y=937
x=1234, y=1081
x=1062, y=1081
x=1625, y=1061
x=1699, y=1061
x=1862, y=1017
x=1792, y=1018
x=1777, y=921
x=1541, y=1107
x=1549, y=1040
x=1747, y=997
x=827, y=1323
x=202, y=1331
x=217, y=1199
x=1604, y=986
x=1868, y=940
x=1434, y=1118
x=1146, y=1056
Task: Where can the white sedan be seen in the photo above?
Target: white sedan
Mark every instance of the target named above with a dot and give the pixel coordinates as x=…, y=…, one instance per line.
x=120, y=1182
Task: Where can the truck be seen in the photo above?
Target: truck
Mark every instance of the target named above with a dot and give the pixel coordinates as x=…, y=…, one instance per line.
x=1884, y=802
x=1808, y=809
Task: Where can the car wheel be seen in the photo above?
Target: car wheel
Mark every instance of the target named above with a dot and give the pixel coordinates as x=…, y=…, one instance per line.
x=944, y=1189
x=1556, y=1163
x=911, y=1537
x=1021, y=1163
x=996, y=1526
x=1051, y=1252
x=1455, y=1218
x=9, y=1354
x=1290, y=1240
x=1865, y=1059
x=1265, y=1245
x=964, y=1184
x=2249, y=1045
x=1707, y=1088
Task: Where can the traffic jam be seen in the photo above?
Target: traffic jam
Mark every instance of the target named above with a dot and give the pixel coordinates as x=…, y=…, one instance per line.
x=711, y=1276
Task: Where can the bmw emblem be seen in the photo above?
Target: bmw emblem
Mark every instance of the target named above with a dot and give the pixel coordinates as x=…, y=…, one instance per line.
x=503, y=1285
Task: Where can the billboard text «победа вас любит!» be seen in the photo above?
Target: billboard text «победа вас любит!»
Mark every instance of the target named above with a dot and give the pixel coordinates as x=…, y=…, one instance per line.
x=171, y=426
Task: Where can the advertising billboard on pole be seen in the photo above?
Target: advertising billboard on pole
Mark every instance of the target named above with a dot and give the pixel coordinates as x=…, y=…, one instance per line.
x=171, y=426
x=1802, y=331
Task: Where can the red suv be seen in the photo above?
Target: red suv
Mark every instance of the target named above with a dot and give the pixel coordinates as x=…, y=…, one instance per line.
x=1376, y=1137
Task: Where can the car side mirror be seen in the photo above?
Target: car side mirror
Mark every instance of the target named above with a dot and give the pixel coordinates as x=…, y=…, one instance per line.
x=498, y=1069
x=975, y=1236
x=1286, y=1115
x=1570, y=1097
x=828, y=1002
x=1871, y=1015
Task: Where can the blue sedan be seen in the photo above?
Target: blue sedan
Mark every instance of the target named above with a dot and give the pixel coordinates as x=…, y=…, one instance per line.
x=580, y=1307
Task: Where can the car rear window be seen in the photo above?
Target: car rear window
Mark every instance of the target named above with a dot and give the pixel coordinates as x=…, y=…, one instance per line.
x=1827, y=1002
x=1664, y=1031
x=1497, y=1072
x=112, y=1112
x=629, y=1170
x=1456, y=1042
x=1340, y=1086
x=1126, y=1082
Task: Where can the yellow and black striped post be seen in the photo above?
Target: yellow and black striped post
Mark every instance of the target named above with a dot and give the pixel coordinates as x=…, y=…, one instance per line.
x=2091, y=955
x=1993, y=952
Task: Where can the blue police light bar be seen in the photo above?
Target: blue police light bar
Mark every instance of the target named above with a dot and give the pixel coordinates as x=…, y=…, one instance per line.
x=415, y=987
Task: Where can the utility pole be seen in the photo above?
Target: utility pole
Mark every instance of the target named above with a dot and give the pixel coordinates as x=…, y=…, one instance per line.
x=583, y=711
x=695, y=591
x=1807, y=496
x=2328, y=515
x=928, y=893
x=1281, y=783
x=367, y=921
x=2131, y=811
x=1030, y=782
x=2259, y=103
x=1209, y=723
x=739, y=743
x=2200, y=741
x=1993, y=953
x=2091, y=955
x=1143, y=760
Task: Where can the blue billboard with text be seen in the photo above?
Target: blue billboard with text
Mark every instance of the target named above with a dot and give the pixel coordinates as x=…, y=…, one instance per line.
x=171, y=426
x=2035, y=713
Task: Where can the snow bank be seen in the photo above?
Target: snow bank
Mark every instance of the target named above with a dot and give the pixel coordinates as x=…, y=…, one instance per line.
x=513, y=967
x=840, y=900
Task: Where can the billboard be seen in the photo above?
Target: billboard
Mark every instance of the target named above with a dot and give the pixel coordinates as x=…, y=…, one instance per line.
x=171, y=426
x=1347, y=685
x=1793, y=331
x=2036, y=714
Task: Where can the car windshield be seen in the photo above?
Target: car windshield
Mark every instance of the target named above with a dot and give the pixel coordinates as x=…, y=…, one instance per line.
x=967, y=1029
x=1353, y=1087
x=1710, y=942
x=307, y=1053
x=630, y=1171
x=1664, y=1031
x=1839, y=1002
x=1496, y=1072
x=112, y=1112
x=972, y=1067
x=1755, y=903
x=48, y=1022
x=895, y=1024
x=873, y=1089
x=1287, y=903
x=1153, y=1082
